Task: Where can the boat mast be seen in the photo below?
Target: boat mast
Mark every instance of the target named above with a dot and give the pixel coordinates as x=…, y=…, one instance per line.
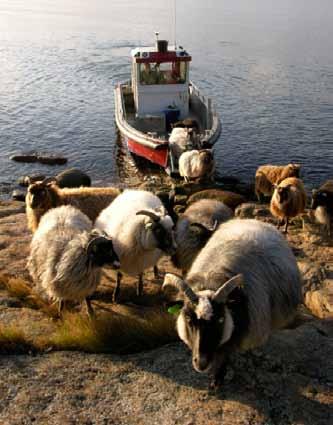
x=175, y=22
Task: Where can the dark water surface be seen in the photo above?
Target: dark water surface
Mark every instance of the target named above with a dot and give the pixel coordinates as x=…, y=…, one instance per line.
x=268, y=66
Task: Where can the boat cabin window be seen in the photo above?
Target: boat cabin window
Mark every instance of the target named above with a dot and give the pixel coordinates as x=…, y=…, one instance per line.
x=163, y=73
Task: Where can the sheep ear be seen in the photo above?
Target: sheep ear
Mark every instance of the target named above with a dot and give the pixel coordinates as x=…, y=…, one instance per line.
x=221, y=295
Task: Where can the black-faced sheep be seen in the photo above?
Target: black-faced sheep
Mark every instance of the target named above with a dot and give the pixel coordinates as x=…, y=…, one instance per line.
x=141, y=231
x=269, y=175
x=322, y=203
x=195, y=227
x=288, y=200
x=66, y=256
x=243, y=285
x=197, y=164
x=44, y=195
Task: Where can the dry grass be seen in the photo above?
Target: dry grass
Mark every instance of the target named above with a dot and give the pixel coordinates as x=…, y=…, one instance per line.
x=114, y=332
x=20, y=289
x=14, y=341
x=115, y=329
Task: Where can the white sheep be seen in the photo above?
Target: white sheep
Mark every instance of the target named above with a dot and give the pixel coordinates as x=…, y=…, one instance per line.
x=243, y=285
x=66, y=256
x=141, y=231
x=196, y=164
x=179, y=140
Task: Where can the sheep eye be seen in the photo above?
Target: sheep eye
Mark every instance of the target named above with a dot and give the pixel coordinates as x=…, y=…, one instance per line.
x=221, y=320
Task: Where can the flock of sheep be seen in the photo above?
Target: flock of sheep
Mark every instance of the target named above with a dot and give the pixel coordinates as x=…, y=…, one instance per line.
x=239, y=278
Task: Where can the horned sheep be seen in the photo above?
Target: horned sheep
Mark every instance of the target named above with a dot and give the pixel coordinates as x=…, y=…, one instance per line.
x=195, y=227
x=44, y=195
x=197, y=164
x=288, y=200
x=66, y=256
x=141, y=231
x=243, y=285
x=269, y=175
x=322, y=203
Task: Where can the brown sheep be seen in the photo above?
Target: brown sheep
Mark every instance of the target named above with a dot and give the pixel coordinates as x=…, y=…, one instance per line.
x=269, y=175
x=288, y=200
x=44, y=195
x=231, y=199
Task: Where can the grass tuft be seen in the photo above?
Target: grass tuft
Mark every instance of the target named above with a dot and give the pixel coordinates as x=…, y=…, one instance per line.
x=20, y=289
x=14, y=341
x=114, y=333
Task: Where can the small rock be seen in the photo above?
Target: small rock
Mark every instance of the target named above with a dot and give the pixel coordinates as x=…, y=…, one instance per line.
x=24, y=158
x=51, y=159
x=73, y=177
x=320, y=302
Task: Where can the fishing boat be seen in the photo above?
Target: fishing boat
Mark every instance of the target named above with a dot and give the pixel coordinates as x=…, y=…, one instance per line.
x=160, y=96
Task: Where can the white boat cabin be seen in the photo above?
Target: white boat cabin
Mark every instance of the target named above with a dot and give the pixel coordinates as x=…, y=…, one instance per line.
x=160, y=81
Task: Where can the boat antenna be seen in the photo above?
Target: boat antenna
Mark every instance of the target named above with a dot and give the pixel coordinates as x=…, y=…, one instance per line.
x=175, y=22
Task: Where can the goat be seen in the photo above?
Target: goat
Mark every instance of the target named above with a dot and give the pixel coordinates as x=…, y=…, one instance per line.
x=196, y=164
x=269, y=175
x=44, y=195
x=243, y=285
x=141, y=231
x=195, y=227
x=288, y=200
x=66, y=256
x=322, y=203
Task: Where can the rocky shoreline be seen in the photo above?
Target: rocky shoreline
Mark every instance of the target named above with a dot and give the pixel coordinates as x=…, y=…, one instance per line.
x=288, y=381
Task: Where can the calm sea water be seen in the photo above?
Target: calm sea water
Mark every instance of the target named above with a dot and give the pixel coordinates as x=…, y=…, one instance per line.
x=267, y=65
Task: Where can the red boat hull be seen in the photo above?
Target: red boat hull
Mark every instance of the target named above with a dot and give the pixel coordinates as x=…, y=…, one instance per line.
x=157, y=156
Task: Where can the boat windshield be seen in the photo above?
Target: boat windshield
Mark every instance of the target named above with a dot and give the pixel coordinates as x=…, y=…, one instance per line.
x=163, y=73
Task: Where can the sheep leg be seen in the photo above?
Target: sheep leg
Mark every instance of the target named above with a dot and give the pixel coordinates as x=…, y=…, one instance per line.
x=286, y=226
x=139, y=286
x=218, y=378
x=156, y=272
x=90, y=309
x=115, y=295
x=61, y=305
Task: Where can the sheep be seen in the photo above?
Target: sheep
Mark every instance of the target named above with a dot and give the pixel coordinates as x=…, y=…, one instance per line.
x=66, y=256
x=243, y=285
x=268, y=175
x=186, y=123
x=195, y=227
x=288, y=200
x=231, y=199
x=322, y=203
x=141, y=231
x=179, y=140
x=43, y=195
x=196, y=163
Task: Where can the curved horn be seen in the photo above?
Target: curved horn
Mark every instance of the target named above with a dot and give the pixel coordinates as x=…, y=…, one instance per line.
x=223, y=292
x=181, y=285
x=150, y=214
